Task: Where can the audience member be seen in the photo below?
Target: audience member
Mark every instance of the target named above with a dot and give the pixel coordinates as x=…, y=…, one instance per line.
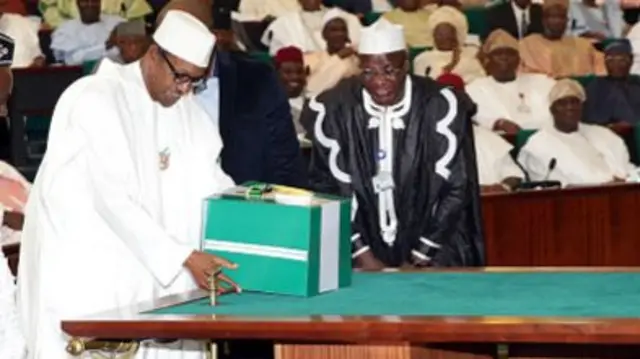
x=303, y=29
x=87, y=38
x=519, y=18
x=584, y=154
x=337, y=61
x=24, y=33
x=55, y=12
x=614, y=99
x=449, y=28
x=507, y=100
x=596, y=19
x=415, y=21
x=293, y=75
x=555, y=54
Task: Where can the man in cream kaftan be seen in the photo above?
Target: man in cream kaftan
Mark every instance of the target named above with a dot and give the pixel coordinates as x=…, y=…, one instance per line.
x=584, y=154
x=115, y=210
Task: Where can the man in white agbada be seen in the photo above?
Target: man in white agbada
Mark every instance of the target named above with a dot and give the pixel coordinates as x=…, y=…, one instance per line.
x=115, y=211
x=88, y=38
x=13, y=192
x=584, y=154
x=24, y=33
x=303, y=29
x=507, y=100
x=497, y=171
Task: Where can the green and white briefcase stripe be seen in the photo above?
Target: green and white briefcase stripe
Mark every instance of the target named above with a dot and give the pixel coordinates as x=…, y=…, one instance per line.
x=297, y=250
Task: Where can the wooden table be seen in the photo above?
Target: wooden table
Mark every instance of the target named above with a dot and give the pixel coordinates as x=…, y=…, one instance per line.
x=389, y=337
x=594, y=226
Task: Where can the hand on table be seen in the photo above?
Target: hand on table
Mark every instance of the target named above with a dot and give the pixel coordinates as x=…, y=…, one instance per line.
x=202, y=265
x=13, y=220
x=367, y=262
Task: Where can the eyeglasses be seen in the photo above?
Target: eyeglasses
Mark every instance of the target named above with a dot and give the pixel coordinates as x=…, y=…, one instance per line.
x=197, y=83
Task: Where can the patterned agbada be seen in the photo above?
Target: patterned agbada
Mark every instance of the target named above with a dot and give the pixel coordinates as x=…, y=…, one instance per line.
x=434, y=171
x=566, y=57
x=55, y=12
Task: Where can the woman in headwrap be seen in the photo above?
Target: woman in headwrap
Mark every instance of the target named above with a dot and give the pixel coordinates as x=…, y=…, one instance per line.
x=337, y=61
x=449, y=28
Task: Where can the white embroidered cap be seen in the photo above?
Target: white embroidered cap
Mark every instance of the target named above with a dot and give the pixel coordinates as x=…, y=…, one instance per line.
x=184, y=36
x=382, y=37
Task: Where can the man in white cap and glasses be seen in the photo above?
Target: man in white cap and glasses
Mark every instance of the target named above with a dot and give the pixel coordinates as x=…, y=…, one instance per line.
x=402, y=147
x=114, y=214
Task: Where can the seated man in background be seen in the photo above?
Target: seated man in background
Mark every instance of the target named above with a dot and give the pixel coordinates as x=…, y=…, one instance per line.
x=303, y=29
x=519, y=18
x=87, y=38
x=401, y=147
x=596, y=19
x=267, y=9
x=337, y=61
x=293, y=75
x=132, y=41
x=571, y=152
x=497, y=171
x=55, y=12
x=13, y=343
x=507, y=100
x=614, y=99
x=361, y=7
x=415, y=21
x=24, y=32
x=449, y=28
x=555, y=54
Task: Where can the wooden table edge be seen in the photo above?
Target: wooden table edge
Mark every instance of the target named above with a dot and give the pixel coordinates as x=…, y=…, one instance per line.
x=354, y=329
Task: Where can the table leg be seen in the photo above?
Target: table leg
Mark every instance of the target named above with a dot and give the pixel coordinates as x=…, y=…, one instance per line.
x=406, y=351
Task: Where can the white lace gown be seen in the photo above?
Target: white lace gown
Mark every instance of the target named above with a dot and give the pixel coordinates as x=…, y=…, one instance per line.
x=12, y=344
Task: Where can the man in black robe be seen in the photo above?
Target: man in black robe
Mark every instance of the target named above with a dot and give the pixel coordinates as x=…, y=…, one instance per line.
x=402, y=148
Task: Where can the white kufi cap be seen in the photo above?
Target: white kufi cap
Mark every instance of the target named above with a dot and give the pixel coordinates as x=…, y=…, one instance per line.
x=185, y=37
x=333, y=13
x=382, y=37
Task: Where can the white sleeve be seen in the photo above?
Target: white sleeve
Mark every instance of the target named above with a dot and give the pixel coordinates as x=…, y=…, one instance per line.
x=110, y=171
x=535, y=167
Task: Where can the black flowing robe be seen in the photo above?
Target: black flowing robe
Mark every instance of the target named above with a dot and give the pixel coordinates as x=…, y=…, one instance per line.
x=436, y=191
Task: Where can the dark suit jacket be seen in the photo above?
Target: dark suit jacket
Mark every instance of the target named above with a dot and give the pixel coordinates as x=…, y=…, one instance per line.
x=259, y=139
x=502, y=17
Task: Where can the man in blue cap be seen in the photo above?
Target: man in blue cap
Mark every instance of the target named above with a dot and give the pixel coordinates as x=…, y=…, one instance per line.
x=615, y=98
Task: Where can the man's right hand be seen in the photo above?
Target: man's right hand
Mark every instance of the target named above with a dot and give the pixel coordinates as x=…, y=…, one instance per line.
x=13, y=220
x=202, y=265
x=367, y=262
